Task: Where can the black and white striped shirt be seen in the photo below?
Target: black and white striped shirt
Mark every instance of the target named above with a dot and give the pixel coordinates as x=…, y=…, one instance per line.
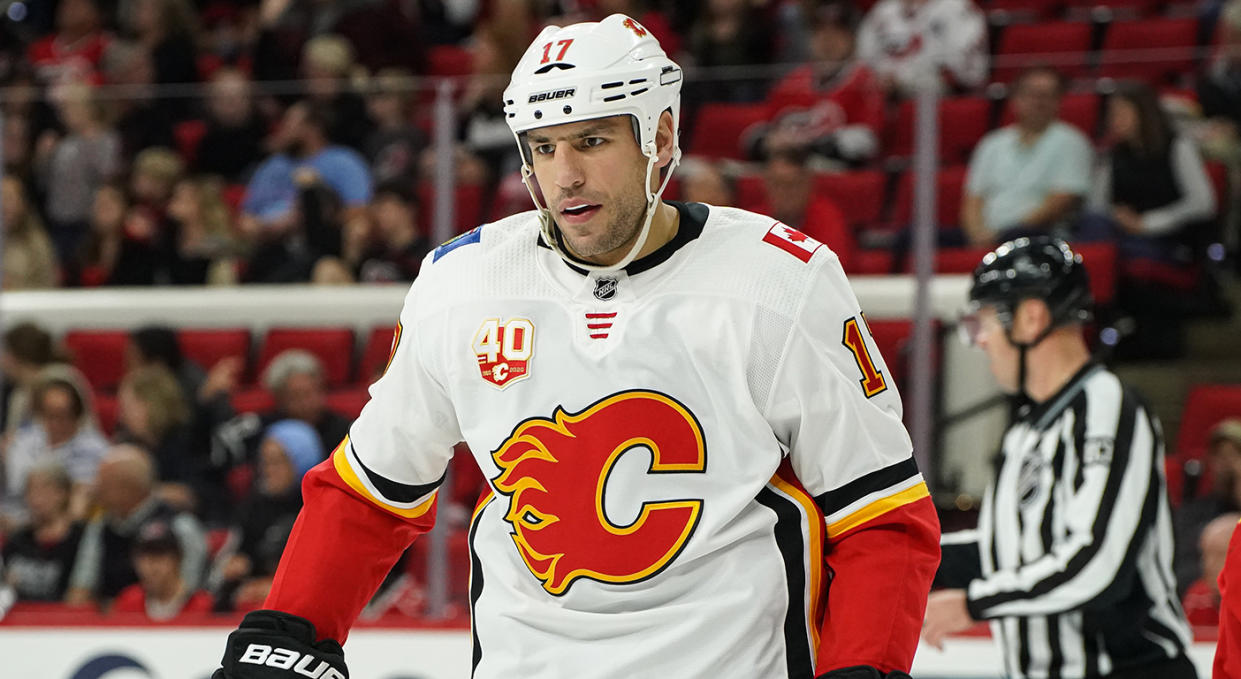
x=1072, y=558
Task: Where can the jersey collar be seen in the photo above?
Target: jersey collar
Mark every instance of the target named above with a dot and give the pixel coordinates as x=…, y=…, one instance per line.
x=1042, y=414
x=693, y=219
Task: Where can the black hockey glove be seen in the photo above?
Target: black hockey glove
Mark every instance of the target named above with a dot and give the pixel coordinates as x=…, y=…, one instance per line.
x=276, y=645
x=863, y=672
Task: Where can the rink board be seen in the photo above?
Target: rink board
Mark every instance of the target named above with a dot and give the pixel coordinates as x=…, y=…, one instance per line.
x=192, y=653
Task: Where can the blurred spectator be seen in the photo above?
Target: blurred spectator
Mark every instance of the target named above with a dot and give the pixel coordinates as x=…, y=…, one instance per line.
x=792, y=200
x=156, y=345
x=38, y=557
x=1151, y=190
x=729, y=34
x=302, y=142
x=64, y=431
x=1219, y=88
x=28, y=349
x=72, y=167
x=295, y=378
x=703, y=182
x=1224, y=469
x=1201, y=601
x=385, y=34
x=394, y=146
x=143, y=117
x=167, y=30
x=151, y=412
x=161, y=592
x=831, y=106
x=1030, y=176
x=75, y=51
x=265, y=518
x=127, y=502
x=327, y=64
x=29, y=259
x=199, y=248
x=155, y=171
x=398, y=245
x=919, y=43
x=117, y=250
x=18, y=145
x=233, y=142
x=484, y=130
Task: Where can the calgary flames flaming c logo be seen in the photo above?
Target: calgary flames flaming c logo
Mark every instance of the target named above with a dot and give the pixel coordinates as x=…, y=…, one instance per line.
x=555, y=473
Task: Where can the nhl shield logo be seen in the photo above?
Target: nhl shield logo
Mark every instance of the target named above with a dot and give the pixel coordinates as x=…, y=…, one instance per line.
x=605, y=288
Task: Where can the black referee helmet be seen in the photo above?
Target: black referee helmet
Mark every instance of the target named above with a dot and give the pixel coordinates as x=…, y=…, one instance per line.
x=1038, y=267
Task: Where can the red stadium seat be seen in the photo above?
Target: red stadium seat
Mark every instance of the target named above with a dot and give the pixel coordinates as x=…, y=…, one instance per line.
x=332, y=346
x=254, y=400
x=1102, y=266
x=1152, y=50
x=206, y=347
x=962, y=122
x=718, y=128
x=859, y=195
x=1080, y=110
x=100, y=355
x=188, y=134
x=468, y=202
x=1205, y=406
x=449, y=60
x=105, y=412
x=958, y=260
x=871, y=262
x=348, y=402
x=892, y=337
x=949, y=183
x=375, y=355
x=1063, y=45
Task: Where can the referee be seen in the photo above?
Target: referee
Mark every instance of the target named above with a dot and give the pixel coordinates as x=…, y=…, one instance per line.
x=1072, y=558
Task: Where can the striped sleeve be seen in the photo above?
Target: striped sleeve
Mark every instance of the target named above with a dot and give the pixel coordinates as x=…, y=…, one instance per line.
x=1111, y=495
x=833, y=407
x=960, y=561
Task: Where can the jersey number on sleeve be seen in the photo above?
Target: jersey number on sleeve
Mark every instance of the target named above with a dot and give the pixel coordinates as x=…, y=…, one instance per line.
x=872, y=381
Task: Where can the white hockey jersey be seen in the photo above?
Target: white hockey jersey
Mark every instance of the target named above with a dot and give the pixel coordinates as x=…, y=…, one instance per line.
x=663, y=444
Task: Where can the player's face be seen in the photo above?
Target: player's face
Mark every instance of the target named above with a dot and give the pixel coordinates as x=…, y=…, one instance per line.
x=592, y=175
x=1002, y=356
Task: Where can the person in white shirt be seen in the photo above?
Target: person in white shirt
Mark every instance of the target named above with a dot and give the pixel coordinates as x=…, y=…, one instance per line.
x=1030, y=176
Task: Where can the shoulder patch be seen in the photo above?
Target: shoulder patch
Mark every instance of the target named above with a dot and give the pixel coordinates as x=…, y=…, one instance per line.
x=792, y=241
x=471, y=236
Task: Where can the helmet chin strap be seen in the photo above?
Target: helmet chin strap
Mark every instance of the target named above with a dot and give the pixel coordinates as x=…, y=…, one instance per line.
x=555, y=239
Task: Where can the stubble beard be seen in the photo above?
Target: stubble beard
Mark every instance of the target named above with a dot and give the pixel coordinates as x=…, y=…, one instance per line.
x=621, y=231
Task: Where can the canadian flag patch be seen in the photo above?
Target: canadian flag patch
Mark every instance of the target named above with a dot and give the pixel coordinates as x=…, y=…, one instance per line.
x=792, y=241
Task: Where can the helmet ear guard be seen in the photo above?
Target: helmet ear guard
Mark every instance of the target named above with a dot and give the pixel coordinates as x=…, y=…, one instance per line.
x=618, y=68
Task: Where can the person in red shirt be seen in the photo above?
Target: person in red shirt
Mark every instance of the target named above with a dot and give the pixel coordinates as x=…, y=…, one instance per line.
x=791, y=199
x=831, y=106
x=75, y=51
x=1201, y=600
x=1228, y=650
x=160, y=592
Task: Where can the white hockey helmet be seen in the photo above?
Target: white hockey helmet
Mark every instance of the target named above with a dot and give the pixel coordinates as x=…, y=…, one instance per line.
x=595, y=70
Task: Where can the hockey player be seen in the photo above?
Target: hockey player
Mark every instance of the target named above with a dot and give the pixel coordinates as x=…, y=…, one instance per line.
x=1072, y=559
x=696, y=459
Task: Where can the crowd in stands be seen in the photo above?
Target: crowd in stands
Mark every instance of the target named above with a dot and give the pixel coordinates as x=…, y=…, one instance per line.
x=192, y=142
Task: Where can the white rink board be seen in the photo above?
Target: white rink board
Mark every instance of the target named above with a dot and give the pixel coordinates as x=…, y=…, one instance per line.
x=192, y=653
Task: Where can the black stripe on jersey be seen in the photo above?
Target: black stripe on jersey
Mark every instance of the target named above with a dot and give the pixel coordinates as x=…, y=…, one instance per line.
x=788, y=532
x=1023, y=653
x=476, y=587
x=1053, y=643
x=394, y=491
x=835, y=500
x=1120, y=461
